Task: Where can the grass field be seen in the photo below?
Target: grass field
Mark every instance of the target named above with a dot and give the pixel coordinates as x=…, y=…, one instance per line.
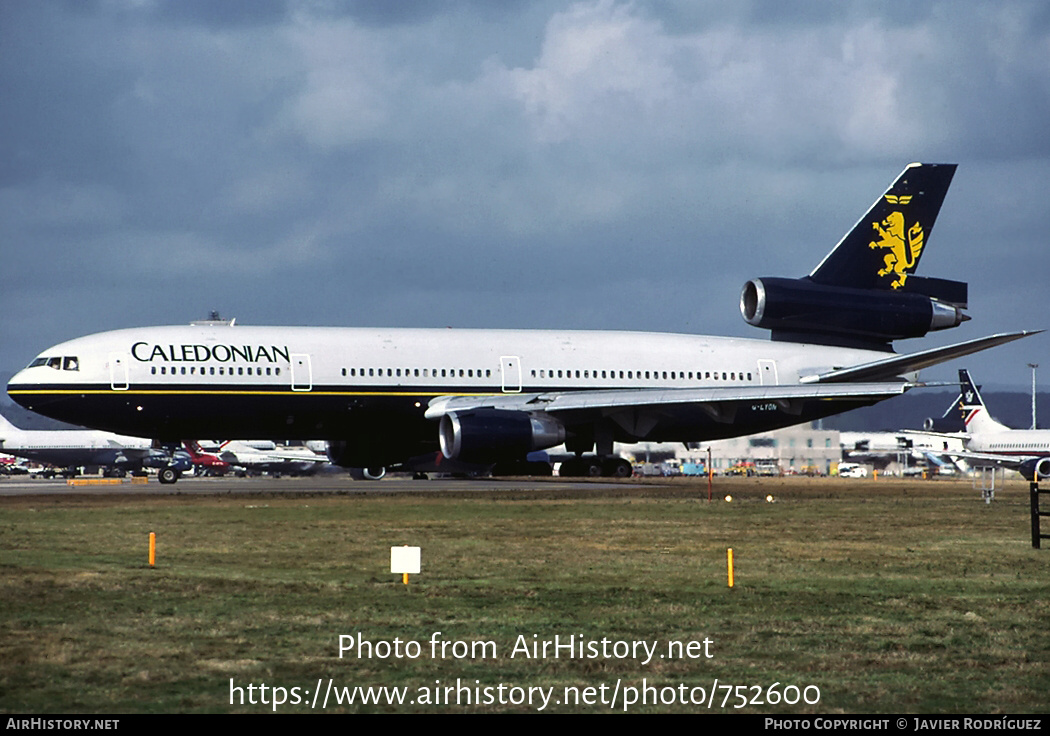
x=887, y=596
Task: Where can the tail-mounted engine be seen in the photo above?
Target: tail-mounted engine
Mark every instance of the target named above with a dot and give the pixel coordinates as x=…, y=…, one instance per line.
x=800, y=310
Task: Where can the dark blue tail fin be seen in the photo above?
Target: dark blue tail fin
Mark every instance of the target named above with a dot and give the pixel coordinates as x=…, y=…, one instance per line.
x=883, y=248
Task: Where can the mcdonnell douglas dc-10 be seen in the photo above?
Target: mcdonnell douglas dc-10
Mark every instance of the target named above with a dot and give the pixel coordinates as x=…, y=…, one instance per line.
x=421, y=398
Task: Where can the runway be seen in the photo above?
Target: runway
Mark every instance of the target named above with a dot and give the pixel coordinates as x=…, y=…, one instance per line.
x=325, y=484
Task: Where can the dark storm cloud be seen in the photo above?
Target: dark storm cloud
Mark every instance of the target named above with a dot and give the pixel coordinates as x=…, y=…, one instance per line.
x=591, y=164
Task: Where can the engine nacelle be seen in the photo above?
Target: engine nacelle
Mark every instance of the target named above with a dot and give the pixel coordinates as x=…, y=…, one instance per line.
x=1037, y=469
x=801, y=310
x=490, y=435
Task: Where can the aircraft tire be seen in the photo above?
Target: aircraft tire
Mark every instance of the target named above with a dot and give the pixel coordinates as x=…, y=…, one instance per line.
x=570, y=469
x=167, y=476
x=617, y=467
x=376, y=473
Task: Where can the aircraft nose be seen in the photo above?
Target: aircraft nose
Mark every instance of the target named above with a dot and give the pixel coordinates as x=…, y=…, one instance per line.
x=17, y=381
x=20, y=386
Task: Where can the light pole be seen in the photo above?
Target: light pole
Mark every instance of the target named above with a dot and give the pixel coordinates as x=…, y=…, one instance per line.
x=1033, y=366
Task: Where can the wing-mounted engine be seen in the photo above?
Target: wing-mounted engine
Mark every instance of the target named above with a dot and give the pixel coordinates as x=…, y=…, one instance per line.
x=1036, y=469
x=800, y=310
x=491, y=435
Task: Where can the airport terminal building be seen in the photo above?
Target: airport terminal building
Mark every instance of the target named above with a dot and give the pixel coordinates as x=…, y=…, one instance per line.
x=798, y=449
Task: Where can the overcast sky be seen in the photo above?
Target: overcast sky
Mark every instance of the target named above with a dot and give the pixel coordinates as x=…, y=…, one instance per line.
x=581, y=165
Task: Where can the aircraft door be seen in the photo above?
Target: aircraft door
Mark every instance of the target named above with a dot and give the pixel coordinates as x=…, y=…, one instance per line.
x=767, y=373
x=302, y=374
x=118, y=371
x=510, y=371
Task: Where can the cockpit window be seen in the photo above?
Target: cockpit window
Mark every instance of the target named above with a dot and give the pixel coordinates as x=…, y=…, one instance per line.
x=67, y=363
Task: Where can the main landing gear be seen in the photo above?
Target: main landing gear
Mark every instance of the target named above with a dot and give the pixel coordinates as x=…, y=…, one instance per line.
x=168, y=475
x=592, y=466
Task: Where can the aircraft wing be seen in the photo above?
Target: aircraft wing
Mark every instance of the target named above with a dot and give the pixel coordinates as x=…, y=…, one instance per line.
x=713, y=400
x=1005, y=461
x=899, y=365
x=1030, y=466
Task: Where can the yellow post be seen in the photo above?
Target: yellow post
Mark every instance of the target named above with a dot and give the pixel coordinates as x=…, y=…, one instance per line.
x=152, y=548
x=404, y=578
x=729, y=562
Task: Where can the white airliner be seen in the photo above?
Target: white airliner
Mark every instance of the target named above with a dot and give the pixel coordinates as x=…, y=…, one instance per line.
x=70, y=448
x=267, y=457
x=425, y=398
x=993, y=443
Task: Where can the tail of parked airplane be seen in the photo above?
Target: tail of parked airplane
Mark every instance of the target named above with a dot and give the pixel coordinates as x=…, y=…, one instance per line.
x=864, y=293
x=974, y=412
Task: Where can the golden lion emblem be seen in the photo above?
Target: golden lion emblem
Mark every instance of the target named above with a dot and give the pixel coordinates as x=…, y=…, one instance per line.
x=904, y=248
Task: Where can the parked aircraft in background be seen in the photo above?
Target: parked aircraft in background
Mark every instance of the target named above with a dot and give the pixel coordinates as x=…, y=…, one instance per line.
x=73, y=448
x=253, y=458
x=424, y=399
x=903, y=446
x=206, y=463
x=991, y=443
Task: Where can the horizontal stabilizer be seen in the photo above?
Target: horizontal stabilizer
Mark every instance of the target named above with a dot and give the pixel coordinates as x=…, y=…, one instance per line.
x=899, y=365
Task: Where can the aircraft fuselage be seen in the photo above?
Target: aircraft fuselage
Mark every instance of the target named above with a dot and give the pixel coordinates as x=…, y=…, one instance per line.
x=373, y=386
